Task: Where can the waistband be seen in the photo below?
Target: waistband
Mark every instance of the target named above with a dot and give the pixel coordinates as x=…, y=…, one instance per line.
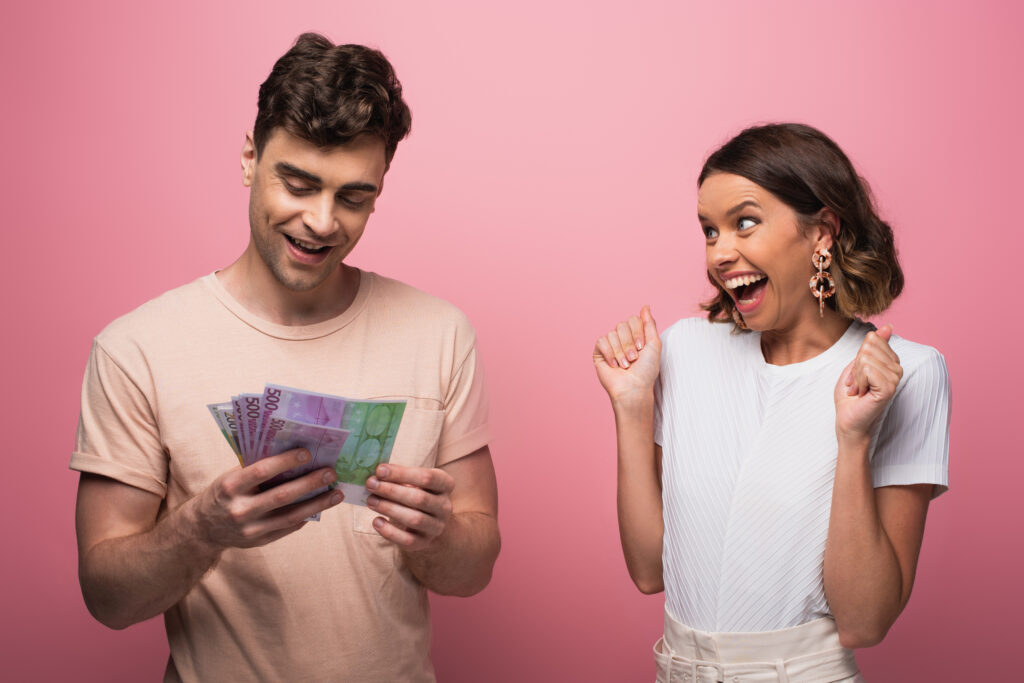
x=809, y=653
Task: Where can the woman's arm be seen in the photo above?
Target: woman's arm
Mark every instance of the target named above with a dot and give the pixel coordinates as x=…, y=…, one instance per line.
x=874, y=535
x=627, y=361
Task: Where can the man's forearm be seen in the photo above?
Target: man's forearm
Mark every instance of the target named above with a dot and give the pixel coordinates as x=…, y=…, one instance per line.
x=461, y=559
x=132, y=578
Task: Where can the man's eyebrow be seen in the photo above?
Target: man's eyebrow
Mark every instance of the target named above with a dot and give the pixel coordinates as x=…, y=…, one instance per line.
x=284, y=168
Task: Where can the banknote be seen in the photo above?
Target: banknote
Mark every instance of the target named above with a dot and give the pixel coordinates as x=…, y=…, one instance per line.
x=352, y=436
x=374, y=425
x=298, y=406
x=224, y=415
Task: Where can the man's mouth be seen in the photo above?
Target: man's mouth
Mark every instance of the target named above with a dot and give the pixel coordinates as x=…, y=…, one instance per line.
x=747, y=289
x=306, y=247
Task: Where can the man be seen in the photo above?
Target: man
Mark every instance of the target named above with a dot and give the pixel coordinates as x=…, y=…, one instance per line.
x=248, y=589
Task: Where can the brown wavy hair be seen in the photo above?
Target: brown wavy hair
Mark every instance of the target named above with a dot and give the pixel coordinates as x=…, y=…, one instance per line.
x=328, y=94
x=807, y=171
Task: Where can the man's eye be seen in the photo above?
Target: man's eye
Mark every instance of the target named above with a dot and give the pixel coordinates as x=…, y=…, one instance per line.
x=297, y=189
x=746, y=223
x=353, y=203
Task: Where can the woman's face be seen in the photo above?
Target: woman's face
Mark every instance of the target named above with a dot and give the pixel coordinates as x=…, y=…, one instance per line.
x=758, y=252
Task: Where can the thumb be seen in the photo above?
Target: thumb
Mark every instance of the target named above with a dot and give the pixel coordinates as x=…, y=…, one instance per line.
x=885, y=332
x=650, y=327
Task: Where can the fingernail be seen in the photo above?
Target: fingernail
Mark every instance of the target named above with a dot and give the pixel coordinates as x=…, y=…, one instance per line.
x=372, y=483
x=624, y=363
x=372, y=501
x=303, y=455
x=639, y=345
x=336, y=497
x=631, y=355
x=383, y=471
x=329, y=477
x=378, y=523
x=614, y=363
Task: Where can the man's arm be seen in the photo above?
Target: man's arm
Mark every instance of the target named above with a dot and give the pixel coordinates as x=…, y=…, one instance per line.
x=444, y=520
x=132, y=567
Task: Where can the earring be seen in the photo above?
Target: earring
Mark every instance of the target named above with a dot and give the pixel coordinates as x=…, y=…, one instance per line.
x=822, y=284
x=738, y=319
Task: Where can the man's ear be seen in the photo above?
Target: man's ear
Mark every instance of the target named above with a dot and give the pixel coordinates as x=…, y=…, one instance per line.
x=248, y=159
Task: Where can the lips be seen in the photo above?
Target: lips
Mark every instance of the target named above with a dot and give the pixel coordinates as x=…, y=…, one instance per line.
x=746, y=288
x=306, y=253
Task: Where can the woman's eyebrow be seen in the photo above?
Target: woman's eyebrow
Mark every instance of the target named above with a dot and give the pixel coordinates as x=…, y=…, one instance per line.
x=742, y=205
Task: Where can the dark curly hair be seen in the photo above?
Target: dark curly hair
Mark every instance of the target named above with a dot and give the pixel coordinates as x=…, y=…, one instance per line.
x=807, y=171
x=328, y=94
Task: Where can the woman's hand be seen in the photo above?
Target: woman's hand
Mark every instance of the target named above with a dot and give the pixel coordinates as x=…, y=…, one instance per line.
x=866, y=386
x=628, y=359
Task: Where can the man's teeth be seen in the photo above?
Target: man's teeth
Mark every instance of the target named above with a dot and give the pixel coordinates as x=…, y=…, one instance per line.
x=306, y=245
x=735, y=282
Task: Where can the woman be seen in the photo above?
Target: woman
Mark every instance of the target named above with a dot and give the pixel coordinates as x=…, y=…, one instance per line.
x=776, y=460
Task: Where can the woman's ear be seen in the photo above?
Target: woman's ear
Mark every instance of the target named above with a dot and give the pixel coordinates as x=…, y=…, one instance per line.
x=826, y=227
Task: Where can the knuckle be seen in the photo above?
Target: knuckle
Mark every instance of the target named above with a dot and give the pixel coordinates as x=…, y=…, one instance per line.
x=236, y=512
x=416, y=519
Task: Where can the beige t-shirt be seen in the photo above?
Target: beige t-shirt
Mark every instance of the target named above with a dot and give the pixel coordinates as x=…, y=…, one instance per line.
x=332, y=601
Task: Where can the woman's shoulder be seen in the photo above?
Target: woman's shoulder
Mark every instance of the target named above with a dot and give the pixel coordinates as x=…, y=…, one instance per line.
x=923, y=366
x=698, y=329
x=700, y=340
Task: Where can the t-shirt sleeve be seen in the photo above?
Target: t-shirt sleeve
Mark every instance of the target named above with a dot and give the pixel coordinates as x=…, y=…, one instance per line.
x=117, y=433
x=913, y=442
x=465, y=428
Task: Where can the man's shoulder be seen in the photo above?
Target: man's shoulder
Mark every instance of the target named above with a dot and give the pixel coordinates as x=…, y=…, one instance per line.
x=404, y=303
x=165, y=317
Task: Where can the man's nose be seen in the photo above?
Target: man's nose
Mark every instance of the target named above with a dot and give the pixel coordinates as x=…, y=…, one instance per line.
x=319, y=215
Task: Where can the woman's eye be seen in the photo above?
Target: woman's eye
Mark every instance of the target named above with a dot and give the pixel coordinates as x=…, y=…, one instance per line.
x=746, y=223
x=709, y=232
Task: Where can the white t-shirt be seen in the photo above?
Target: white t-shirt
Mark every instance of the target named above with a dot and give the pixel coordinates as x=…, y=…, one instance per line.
x=749, y=455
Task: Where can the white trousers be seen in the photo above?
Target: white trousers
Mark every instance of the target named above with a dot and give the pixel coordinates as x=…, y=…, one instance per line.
x=809, y=653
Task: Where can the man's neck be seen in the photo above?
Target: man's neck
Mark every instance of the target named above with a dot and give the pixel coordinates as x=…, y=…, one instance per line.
x=250, y=282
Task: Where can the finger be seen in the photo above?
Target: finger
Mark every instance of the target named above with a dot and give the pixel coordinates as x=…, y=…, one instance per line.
x=429, y=479
x=620, y=355
x=286, y=493
x=266, y=469
x=650, y=326
x=290, y=518
x=399, y=537
x=636, y=329
x=881, y=379
x=885, y=332
x=879, y=352
x=627, y=341
x=413, y=519
x=603, y=351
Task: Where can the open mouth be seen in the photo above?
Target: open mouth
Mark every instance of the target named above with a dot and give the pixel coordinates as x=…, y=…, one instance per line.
x=306, y=247
x=747, y=290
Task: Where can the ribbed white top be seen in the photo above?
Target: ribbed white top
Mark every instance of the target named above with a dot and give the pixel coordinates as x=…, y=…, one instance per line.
x=749, y=454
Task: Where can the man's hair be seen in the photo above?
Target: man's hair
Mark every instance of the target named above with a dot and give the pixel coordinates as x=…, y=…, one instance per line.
x=328, y=94
x=808, y=172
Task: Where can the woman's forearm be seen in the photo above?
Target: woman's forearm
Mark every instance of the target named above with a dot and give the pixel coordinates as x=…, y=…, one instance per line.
x=641, y=526
x=863, y=579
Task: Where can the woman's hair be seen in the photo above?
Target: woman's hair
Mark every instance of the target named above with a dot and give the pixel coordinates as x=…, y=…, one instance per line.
x=328, y=94
x=806, y=170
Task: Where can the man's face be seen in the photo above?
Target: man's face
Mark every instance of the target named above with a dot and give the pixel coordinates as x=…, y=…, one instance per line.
x=308, y=206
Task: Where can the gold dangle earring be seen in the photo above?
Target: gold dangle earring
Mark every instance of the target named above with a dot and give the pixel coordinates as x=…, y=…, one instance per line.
x=822, y=284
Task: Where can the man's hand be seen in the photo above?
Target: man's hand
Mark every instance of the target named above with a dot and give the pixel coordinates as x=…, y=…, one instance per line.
x=234, y=513
x=416, y=500
x=132, y=567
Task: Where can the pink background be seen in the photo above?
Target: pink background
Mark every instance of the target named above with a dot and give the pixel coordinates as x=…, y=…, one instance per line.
x=547, y=190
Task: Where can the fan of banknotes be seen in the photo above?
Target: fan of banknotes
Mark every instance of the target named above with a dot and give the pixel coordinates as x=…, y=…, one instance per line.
x=350, y=435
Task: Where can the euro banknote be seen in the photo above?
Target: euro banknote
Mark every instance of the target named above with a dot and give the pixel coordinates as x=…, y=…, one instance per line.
x=352, y=436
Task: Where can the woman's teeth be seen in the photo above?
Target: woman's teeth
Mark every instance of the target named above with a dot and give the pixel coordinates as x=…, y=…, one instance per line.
x=733, y=283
